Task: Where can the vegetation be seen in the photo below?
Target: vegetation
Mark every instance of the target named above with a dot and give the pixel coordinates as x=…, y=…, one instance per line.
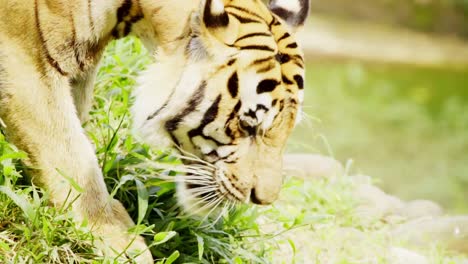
x=31, y=231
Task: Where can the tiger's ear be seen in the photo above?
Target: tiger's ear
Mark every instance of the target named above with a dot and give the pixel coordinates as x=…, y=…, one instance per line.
x=215, y=20
x=294, y=12
x=214, y=15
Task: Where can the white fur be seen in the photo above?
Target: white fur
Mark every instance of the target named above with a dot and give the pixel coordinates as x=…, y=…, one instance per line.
x=154, y=87
x=290, y=5
x=248, y=92
x=217, y=7
x=155, y=90
x=184, y=198
x=269, y=118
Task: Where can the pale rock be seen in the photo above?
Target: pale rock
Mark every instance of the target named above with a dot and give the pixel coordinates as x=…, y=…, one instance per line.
x=361, y=179
x=420, y=208
x=405, y=256
x=311, y=166
x=448, y=232
x=373, y=203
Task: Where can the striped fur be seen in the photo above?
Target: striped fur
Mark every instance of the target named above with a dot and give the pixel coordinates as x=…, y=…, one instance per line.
x=231, y=97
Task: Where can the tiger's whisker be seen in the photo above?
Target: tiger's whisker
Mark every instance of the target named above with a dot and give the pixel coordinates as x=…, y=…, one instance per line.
x=201, y=192
x=209, y=204
x=199, y=202
x=191, y=157
x=213, y=207
x=220, y=215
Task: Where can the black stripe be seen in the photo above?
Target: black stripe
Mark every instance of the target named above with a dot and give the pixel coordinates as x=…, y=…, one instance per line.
x=231, y=62
x=256, y=34
x=267, y=86
x=209, y=116
x=260, y=61
x=299, y=64
x=123, y=10
x=122, y=13
x=283, y=58
x=232, y=115
x=49, y=58
x=250, y=130
x=233, y=85
x=245, y=11
x=273, y=22
x=286, y=35
x=293, y=101
x=127, y=29
x=299, y=58
x=292, y=45
x=244, y=20
x=287, y=81
x=129, y=24
x=299, y=81
x=257, y=47
x=281, y=108
x=267, y=68
x=156, y=113
x=172, y=124
x=213, y=21
x=276, y=22
x=262, y=107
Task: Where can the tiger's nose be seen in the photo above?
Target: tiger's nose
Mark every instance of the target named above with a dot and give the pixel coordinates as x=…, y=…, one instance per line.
x=256, y=200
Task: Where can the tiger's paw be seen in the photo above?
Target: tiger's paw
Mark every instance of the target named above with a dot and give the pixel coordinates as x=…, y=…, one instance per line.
x=124, y=248
x=117, y=244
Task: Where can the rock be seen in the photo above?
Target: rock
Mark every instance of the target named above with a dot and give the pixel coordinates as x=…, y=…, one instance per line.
x=375, y=203
x=405, y=256
x=420, y=208
x=311, y=166
x=448, y=232
x=361, y=179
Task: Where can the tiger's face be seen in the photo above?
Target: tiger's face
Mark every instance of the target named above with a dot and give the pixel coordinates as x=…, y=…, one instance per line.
x=230, y=94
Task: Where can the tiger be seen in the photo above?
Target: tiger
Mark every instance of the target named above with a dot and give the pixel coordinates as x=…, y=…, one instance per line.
x=227, y=87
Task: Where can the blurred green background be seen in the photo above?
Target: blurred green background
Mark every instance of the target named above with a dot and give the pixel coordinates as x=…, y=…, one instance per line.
x=388, y=89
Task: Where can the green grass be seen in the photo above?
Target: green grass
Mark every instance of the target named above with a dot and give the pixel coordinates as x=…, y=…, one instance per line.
x=31, y=231
x=403, y=125
x=305, y=224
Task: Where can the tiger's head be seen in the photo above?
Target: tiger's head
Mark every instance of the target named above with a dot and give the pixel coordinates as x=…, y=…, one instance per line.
x=229, y=92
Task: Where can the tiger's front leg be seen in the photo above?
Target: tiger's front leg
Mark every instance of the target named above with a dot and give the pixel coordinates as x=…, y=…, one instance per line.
x=40, y=118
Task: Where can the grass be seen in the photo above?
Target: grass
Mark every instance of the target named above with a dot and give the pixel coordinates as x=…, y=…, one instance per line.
x=33, y=232
x=305, y=225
